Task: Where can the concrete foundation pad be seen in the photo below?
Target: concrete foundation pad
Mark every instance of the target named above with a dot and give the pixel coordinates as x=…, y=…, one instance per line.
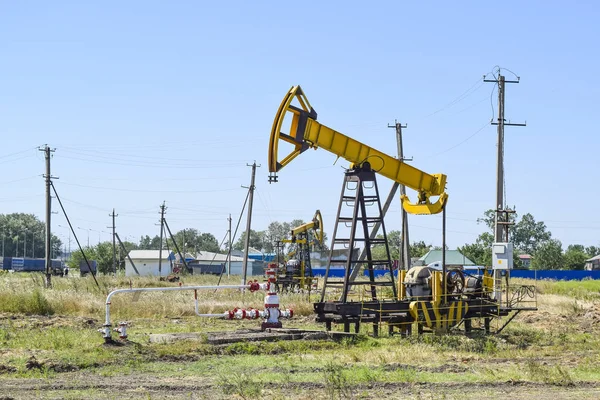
x=250, y=335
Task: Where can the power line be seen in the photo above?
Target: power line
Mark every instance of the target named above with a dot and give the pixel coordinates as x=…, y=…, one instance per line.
x=147, y=191
x=478, y=84
x=18, y=152
x=152, y=159
x=151, y=165
x=20, y=180
x=462, y=142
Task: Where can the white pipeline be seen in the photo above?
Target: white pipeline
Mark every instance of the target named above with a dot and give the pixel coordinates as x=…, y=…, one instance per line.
x=107, y=325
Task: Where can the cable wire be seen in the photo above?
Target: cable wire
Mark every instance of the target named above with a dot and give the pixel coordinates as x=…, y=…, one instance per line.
x=234, y=235
x=74, y=235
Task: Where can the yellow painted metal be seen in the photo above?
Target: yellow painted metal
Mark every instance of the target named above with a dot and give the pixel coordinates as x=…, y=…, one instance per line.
x=306, y=132
x=436, y=287
x=401, y=288
x=316, y=224
x=488, y=282
x=432, y=315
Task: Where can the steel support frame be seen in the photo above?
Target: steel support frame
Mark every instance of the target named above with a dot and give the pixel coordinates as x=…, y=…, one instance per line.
x=359, y=219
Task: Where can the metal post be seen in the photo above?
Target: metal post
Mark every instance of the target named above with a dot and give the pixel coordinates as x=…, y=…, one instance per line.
x=181, y=256
x=248, y=224
x=405, y=242
x=444, y=255
x=229, y=249
x=499, y=232
x=48, y=219
x=162, y=219
x=500, y=167
x=113, y=215
x=499, y=236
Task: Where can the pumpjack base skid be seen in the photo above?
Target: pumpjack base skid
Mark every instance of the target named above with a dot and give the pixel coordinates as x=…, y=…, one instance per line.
x=397, y=312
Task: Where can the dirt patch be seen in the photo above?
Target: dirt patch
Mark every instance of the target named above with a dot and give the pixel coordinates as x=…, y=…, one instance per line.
x=445, y=368
x=61, y=367
x=6, y=369
x=48, y=321
x=32, y=363
x=144, y=386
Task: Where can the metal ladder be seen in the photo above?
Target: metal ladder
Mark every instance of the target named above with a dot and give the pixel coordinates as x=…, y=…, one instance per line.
x=359, y=192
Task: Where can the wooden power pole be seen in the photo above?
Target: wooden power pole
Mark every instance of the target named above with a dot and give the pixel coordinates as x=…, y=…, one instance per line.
x=405, y=242
x=48, y=177
x=502, y=221
x=114, y=263
x=248, y=223
x=160, y=246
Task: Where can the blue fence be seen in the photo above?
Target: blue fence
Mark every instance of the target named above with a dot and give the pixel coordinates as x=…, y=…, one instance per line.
x=339, y=272
x=558, y=275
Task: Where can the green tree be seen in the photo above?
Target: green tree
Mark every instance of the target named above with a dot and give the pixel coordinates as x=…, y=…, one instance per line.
x=256, y=240
x=393, y=239
x=477, y=252
x=122, y=255
x=575, y=256
x=548, y=255
x=148, y=243
x=528, y=234
x=489, y=219
x=416, y=249
x=102, y=253
x=24, y=235
x=592, y=251
x=419, y=249
x=191, y=241
x=276, y=231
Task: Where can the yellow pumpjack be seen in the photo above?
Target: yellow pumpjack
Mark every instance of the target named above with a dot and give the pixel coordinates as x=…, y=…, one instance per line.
x=306, y=132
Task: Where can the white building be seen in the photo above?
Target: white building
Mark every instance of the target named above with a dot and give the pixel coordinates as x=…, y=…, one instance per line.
x=146, y=262
x=207, y=258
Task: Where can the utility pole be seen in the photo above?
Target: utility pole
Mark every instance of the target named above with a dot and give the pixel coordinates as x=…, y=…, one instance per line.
x=162, y=221
x=229, y=250
x=502, y=223
x=113, y=215
x=48, y=177
x=404, y=238
x=502, y=216
x=248, y=222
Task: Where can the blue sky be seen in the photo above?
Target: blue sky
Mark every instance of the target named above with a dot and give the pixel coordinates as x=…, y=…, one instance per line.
x=149, y=101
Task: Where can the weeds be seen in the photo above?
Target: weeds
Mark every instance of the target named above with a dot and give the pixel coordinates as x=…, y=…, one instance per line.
x=61, y=332
x=586, y=289
x=552, y=375
x=336, y=382
x=481, y=344
x=239, y=384
x=32, y=303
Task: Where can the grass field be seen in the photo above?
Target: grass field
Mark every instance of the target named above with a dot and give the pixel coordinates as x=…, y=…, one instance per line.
x=50, y=349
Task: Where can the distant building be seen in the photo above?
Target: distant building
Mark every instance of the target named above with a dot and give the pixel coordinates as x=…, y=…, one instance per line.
x=146, y=263
x=454, y=259
x=207, y=262
x=256, y=265
x=525, y=260
x=592, y=264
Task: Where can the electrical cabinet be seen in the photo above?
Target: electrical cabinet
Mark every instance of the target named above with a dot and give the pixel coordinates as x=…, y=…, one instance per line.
x=502, y=256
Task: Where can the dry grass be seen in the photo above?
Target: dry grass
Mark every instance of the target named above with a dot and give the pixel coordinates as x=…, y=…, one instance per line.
x=25, y=294
x=558, y=345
